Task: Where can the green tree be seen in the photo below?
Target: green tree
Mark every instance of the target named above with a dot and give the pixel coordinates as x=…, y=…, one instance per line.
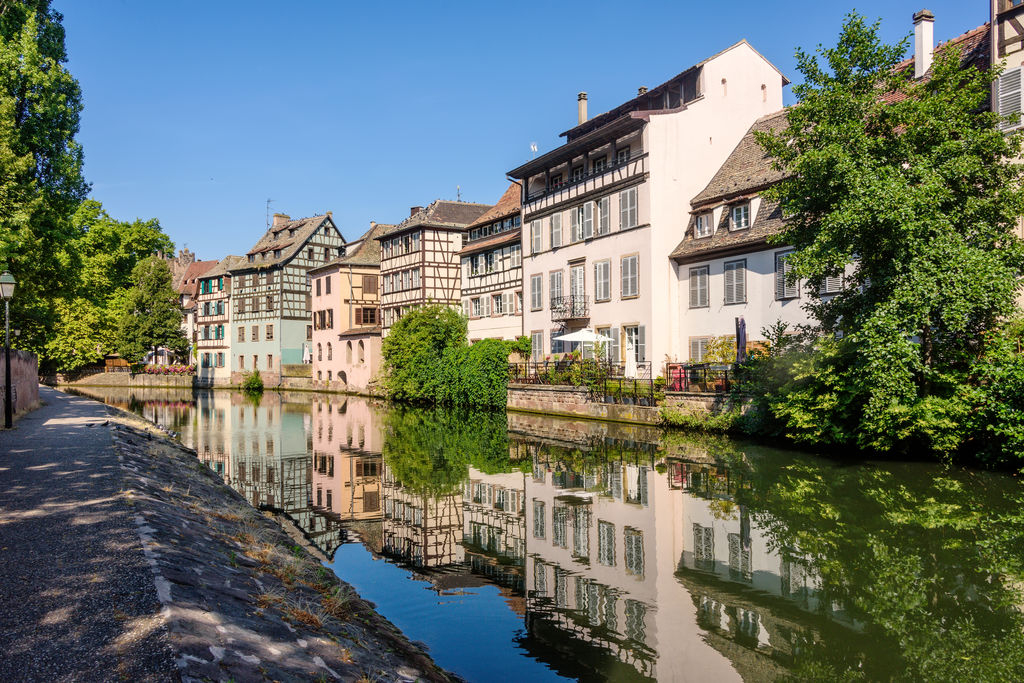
x=903, y=188
x=41, y=181
x=150, y=315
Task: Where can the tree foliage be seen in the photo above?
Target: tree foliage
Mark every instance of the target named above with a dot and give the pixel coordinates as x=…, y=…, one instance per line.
x=903, y=188
x=150, y=315
x=427, y=359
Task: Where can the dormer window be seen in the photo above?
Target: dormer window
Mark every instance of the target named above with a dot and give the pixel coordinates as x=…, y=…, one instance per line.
x=597, y=165
x=702, y=225
x=740, y=217
x=577, y=173
x=277, y=253
x=622, y=155
x=556, y=180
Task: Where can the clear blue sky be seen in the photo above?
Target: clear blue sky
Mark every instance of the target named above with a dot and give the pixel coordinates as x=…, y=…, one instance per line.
x=197, y=112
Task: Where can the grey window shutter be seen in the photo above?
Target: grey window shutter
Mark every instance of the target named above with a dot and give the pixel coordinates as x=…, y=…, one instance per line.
x=613, y=351
x=642, y=344
x=1009, y=98
x=694, y=350
x=574, y=224
x=694, y=288
x=780, y=276
x=588, y=220
x=730, y=284
x=740, y=282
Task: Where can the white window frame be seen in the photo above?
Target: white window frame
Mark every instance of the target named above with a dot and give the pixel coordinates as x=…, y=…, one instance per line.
x=555, y=289
x=739, y=217
x=783, y=290
x=516, y=254
x=702, y=225
x=699, y=279
x=735, y=282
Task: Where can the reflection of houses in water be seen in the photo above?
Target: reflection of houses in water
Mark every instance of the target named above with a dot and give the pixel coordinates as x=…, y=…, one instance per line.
x=347, y=458
x=212, y=433
x=494, y=527
x=421, y=529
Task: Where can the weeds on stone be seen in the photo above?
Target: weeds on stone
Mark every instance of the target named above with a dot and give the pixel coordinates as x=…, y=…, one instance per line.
x=336, y=604
x=270, y=597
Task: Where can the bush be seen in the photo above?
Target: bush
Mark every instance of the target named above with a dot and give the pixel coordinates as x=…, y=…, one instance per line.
x=252, y=382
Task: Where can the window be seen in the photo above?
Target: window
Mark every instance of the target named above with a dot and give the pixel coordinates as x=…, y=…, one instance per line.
x=556, y=230
x=537, y=345
x=416, y=277
x=702, y=225
x=577, y=173
x=362, y=358
x=369, y=284
x=736, y=281
x=255, y=362
x=516, y=254
x=319, y=352
x=348, y=352
x=699, y=287
x=269, y=336
x=241, y=362
x=602, y=281
x=1008, y=87
x=581, y=222
x=739, y=558
x=270, y=275
x=634, y=551
x=556, y=180
x=270, y=361
x=832, y=284
x=630, y=276
x=627, y=209
x=606, y=543
x=241, y=334
x=622, y=155
x=330, y=351
x=255, y=332
x=309, y=332
x=603, y=220
x=740, y=217
x=588, y=220
x=597, y=165
x=220, y=360
x=536, y=238
x=476, y=307
x=497, y=304
x=703, y=546
x=489, y=258
x=327, y=283
x=636, y=337
x=783, y=289
x=538, y=519
x=536, y=293
x=556, y=286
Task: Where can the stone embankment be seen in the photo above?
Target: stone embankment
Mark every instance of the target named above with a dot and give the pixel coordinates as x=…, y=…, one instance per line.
x=242, y=600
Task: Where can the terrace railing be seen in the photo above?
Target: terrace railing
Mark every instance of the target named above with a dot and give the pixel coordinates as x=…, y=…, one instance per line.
x=699, y=377
x=607, y=382
x=574, y=307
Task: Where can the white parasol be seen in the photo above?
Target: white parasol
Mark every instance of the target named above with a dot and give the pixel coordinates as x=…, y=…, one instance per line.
x=585, y=336
x=630, y=370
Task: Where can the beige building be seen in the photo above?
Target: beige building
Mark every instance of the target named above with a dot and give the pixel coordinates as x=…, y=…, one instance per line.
x=420, y=258
x=492, y=271
x=347, y=462
x=213, y=324
x=346, y=316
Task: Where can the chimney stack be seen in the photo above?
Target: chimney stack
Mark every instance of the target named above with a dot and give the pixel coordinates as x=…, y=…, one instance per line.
x=414, y=210
x=581, y=106
x=642, y=90
x=280, y=219
x=924, y=41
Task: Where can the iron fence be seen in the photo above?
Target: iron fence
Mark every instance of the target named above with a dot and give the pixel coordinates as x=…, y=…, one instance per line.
x=607, y=382
x=699, y=377
x=573, y=307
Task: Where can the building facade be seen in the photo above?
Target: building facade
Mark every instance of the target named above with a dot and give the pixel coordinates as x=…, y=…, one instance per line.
x=271, y=299
x=492, y=271
x=213, y=322
x=602, y=213
x=346, y=316
x=420, y=262
x=187, y=287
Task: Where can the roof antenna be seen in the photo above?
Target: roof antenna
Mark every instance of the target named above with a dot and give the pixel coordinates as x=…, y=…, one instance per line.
x=458, y=193
x=268, y=213
x=533, y=148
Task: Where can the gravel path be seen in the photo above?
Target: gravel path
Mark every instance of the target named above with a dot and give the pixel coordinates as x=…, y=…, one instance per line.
x=77, y=598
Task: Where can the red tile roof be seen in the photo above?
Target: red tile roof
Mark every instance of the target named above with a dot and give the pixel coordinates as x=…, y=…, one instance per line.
x=192, y=274
x=974, y=51
x=509, y=205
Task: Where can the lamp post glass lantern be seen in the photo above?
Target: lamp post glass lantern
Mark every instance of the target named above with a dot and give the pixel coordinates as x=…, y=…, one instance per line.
x=7, y=283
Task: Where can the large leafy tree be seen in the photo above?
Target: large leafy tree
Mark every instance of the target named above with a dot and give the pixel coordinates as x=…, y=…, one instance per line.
x=904, y=188
x=150, y=314
x=41, y=182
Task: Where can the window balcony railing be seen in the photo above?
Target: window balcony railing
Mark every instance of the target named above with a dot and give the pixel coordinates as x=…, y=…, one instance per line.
x=572, y=307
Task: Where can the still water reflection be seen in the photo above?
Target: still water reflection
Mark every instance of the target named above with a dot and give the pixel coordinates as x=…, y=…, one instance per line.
x=530, y=547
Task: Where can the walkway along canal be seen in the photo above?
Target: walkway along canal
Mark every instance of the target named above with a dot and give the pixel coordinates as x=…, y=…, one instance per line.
x=528, y=547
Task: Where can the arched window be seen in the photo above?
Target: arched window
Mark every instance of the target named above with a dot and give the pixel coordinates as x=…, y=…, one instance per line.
x=319, y=352
x=362, y=352
x=348, y=352
x=330, y=351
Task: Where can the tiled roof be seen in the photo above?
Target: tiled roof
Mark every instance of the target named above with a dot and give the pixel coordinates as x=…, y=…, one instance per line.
x=747, y=169
x=281, y=237
x=361, y=332
x=509, y=205
x=510, y=237
x=441, y=214
x=723, y=241
x=364, y=251
x=975, y=50
x=223, y=266
x=194, y=271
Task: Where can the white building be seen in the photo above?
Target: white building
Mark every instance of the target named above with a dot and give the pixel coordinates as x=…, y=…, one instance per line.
x=492, y=271
x=602, y=213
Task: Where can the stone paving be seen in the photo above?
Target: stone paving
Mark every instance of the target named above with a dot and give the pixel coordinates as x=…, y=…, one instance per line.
x=124, y=558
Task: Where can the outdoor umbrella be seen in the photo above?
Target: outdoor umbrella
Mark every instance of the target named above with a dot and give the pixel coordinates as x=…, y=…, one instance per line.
x=307, y=354
x=585, y=336
x=630, y=370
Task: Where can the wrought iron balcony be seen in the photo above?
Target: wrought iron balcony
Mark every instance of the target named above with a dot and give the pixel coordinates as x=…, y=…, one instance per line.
x=575, y=307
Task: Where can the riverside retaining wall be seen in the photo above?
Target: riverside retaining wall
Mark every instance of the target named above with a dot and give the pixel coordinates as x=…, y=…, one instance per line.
x=24, y=380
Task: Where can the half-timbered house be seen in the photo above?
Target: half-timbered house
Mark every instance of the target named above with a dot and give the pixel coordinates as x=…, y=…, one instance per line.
x=213, y=322
x=419, y=261
x=346, y=316
x=492, y=271
x=270, y=295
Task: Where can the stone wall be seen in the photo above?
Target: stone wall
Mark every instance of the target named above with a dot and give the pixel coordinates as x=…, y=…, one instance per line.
x=24, y=380
x=124, y=379
x=698, y=403
x=573, y=401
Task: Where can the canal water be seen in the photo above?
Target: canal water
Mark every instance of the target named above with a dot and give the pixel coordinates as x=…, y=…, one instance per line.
x=533, y=548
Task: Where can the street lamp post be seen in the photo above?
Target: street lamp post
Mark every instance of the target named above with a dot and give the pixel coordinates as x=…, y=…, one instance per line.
x=7, y=283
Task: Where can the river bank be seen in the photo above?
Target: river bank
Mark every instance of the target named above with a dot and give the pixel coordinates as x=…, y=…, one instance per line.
x=242, y=599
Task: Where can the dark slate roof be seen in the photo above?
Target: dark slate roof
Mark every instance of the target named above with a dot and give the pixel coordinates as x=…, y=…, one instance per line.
x=509, y=205
x=364, y=251
x=722, y=241
x=501, y=239
x=280, y=237
x=747, y=168
x=440, y=214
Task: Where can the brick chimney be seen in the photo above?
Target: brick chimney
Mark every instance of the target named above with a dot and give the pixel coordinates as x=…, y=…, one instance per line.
x=280, y=219
x=413, y=210
x=581, y=108
x=924, y=41
x=642, y=90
